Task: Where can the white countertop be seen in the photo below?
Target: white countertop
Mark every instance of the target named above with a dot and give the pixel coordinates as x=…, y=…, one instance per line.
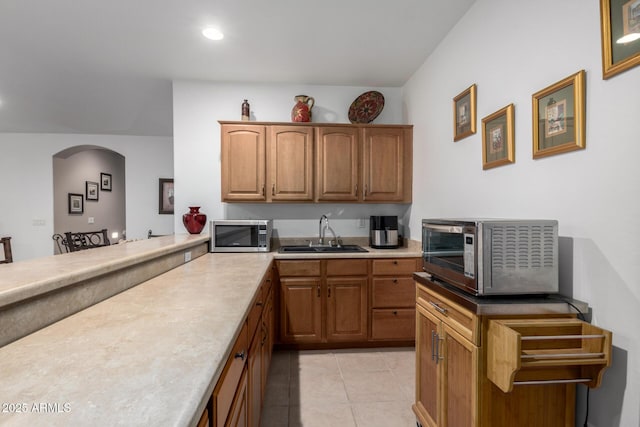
x=26, y=279
x=149, y=356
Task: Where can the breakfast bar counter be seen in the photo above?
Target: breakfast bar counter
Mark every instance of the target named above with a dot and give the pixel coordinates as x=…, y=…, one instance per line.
x=148, y=356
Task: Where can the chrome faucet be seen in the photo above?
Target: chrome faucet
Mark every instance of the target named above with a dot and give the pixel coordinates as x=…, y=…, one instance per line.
x=322, y=228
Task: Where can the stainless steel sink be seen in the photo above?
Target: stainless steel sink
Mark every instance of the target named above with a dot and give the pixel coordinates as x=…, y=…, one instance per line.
x=321, y=249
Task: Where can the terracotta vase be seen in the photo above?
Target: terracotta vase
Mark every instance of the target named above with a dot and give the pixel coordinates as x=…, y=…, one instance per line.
x=194, y=221
x=302, y=110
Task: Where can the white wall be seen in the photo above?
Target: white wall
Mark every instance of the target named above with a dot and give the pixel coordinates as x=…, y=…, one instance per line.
x=26, y=187
x=197, y=108
x=512, y=49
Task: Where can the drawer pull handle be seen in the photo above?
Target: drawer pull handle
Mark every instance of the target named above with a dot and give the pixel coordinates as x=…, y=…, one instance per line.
x=395, y=280
x=240, y=355
x=318, y=290
x=328, y=291
x=395, y=262
x=542, y=382
x=395, y=312
x=258, y=303
x=435, y=305
x=433, y=345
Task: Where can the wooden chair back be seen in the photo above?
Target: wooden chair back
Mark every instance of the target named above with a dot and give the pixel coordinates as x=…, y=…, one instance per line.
x=85, y=240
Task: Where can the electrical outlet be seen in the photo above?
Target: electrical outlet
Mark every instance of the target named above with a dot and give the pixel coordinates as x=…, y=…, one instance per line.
x=361, y=222
x=91, y=220
x=187, y=256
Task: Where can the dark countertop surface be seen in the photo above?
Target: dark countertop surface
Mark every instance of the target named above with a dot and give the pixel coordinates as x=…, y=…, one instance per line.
x=504, y=305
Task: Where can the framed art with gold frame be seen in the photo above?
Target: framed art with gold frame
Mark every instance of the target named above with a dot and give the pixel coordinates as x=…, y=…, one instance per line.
x=620, y=32
x=498, y=142
x=464, y=113
x=559, y=117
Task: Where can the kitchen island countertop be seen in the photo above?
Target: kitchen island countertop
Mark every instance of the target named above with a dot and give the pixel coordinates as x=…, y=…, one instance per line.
x=149, y=356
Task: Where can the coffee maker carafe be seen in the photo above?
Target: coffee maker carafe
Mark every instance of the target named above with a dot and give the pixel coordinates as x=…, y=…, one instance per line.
x=383, y=232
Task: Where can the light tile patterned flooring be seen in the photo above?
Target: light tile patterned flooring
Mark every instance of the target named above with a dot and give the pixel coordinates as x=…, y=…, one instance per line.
x=341, y=388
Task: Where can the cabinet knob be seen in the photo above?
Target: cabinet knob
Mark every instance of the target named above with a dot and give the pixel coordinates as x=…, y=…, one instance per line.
x=395, y=262
x=395, y=312
x=258, y=303
x=240, y=355
x=273, y=190
x=395, y=280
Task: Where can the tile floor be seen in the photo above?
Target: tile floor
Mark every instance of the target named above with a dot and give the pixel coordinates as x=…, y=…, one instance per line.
x=341, y=388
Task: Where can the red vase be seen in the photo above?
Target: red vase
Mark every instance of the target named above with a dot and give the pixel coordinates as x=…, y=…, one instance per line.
x=194, y=221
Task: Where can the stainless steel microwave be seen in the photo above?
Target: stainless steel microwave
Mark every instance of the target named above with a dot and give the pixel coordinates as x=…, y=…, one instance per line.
x=492, y=256
x=241, y=235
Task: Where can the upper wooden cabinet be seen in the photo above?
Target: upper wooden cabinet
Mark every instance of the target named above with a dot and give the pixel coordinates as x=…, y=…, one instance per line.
x=386, y=164
x=338, y=164
x=243, y=156
x=290, y=162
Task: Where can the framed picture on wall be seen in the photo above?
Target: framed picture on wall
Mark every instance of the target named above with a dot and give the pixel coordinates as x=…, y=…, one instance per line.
x=464, y=113
x=105, y=181
x=498, y=145
x=165, y=197
x=76, y=203
x=91, y=190
x=559, y=117
x=620, y=33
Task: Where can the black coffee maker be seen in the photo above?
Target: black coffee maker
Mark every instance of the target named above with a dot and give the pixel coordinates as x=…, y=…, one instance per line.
x=383, y=232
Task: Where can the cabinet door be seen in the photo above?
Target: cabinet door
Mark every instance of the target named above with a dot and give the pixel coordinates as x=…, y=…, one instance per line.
x=239, y=410
x=460, y=379
x=300, y=309
x=268, y=340
x=347, y=309
x=337, y=161
x=290, y=163
x=243, y=157
x=427, y=373
x=383, y=164
x=254, y=392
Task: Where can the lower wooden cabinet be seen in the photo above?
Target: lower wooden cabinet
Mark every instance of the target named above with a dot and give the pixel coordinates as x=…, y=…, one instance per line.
x=238, y=416
x=325, y=302
x=393, y=299
x=446, y=374
x=501, y=371
x=238, y=395
x=352, y=300
x=234, y=371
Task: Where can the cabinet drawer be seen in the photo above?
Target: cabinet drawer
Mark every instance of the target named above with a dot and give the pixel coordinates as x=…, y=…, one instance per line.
x=393, y=292
x=253, y=319
x=393, y=324
x=394, y=267
x=225, y=389
x=462, y=320
x=299, y=268
x=347, y=267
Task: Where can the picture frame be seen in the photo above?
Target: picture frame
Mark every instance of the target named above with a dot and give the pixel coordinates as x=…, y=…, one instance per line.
x=464, y=113
x=559, y=117
x=105, y=181
x=91, y=191
x=76, y=203
x=498, y=138
x=165, y=196
x=620, y=34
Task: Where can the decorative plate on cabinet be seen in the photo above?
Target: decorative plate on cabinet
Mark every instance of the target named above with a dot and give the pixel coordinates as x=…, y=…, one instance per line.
x=366, y=107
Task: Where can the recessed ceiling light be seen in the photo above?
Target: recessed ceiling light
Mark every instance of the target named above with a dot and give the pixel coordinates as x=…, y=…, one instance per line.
x=212, y=34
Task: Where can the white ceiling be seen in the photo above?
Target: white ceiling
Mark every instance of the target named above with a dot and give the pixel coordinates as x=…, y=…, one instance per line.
x=106, y=66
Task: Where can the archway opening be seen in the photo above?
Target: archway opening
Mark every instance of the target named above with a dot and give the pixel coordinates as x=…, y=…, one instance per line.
x=89, y=192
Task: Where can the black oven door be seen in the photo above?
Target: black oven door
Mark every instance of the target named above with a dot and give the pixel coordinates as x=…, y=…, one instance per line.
x=443, y=254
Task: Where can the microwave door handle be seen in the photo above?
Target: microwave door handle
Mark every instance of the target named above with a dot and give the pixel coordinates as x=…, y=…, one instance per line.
x=445, y=228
